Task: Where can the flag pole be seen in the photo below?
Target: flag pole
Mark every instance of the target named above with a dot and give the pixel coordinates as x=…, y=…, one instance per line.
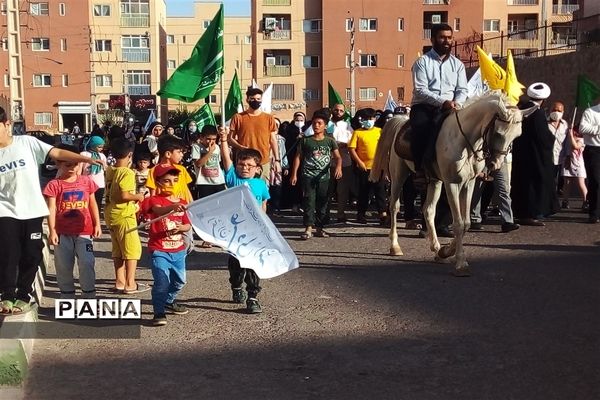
x=573, y=119
x=222, y=85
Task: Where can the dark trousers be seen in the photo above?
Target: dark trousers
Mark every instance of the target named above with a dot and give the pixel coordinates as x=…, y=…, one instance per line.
x=239, y=275
x=409, y=195
x=591, y=158
x=20, y=256
x=423, y=119
x=99, y=195
x=315, y=201
x=276, y=192
x=366, y=188
x=202, y=191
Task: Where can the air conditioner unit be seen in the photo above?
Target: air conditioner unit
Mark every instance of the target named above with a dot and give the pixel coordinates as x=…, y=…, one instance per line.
x=102, y=106
x=436, y=19
x=270, y=61
x=270, y=24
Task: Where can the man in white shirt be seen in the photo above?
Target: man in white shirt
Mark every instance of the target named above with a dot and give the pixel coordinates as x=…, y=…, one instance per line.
x=558, y=126
x=342, y=133
x=589, y=127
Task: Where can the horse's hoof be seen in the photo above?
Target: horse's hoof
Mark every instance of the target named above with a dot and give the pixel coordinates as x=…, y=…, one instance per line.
x=446, y=251
x=439, y=260
x=396, y=251
x=462, y=272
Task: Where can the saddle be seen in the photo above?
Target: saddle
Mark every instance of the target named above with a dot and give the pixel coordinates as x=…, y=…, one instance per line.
x=402, y=144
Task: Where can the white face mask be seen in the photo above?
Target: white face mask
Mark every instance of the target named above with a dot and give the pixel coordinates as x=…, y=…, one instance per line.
x=299, y=124
x=368, y=124
x=556, y=115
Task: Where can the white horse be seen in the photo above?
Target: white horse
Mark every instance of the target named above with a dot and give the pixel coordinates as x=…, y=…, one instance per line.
x=477, y=135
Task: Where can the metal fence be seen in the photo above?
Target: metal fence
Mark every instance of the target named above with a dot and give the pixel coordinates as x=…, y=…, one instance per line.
x=549, y=39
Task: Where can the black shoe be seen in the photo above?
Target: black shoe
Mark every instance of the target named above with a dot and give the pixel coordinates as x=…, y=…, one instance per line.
x=253, y=306
x=361, y=219
x=593, y=220
x=176, y=309
x=238, y=295
x=564, y=204
x=531, y=222
x=476, y=226
x=444, y=232
x=508, y=227
x=159, y=320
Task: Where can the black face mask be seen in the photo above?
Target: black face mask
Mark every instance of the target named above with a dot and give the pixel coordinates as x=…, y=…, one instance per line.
x=254, y=104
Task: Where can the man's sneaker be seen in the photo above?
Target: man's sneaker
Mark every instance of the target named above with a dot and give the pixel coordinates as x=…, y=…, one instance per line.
x=253, y=306
x=159, y=320
x=509, y=227
x=177, y=309
x=476, y=226
x=238, y=295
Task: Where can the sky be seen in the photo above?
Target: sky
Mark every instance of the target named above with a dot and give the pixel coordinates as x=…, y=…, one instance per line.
x=185, y=7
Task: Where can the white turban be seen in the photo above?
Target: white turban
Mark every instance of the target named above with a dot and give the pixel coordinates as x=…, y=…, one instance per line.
x=538, y=91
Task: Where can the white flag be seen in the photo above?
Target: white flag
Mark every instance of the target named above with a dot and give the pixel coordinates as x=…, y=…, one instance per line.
x=233, y=220
x=266, y=99
x=476, y=86
x=390, y=104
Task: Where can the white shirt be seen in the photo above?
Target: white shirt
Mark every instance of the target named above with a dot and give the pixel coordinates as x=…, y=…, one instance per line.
x=20, y=192
x=342, y=133
x=589, y=126
x=210, y=173
x=560, y=133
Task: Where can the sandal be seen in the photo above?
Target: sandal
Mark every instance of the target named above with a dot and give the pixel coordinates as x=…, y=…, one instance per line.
x=306, y=235
x=321, y=233
x=139, y=288
x=206, y=245
x=21, y=307
x=6, y=307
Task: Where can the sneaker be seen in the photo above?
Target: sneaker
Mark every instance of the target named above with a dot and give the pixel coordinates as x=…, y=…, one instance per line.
x=508, y=227
x=476, y=226
x=253, y=306
x=159, y=320
x=238, y=295
x=564, y=204
x=176, y=309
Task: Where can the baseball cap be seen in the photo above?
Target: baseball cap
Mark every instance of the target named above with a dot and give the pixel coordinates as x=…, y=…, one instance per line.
x=163, y=169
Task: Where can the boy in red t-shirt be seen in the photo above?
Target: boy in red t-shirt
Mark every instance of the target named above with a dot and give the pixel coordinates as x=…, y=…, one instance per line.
x=73, y=221
x=167, y=244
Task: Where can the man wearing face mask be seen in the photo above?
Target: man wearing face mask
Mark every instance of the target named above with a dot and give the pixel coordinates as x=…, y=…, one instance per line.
x=342, y=133
x=559, y=127
x=254, y=129
x=362, y=148
x=439, y=84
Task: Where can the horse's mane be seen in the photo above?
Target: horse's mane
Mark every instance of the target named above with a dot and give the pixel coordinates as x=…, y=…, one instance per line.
x=498, y=96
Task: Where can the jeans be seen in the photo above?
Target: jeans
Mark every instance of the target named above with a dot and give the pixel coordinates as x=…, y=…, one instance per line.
x=365, y=188
x=168, y=271
x=315, y=199
x=69, y=247
x=502, y=186
x=345, y=187
x=239, y=275
x=20, y=256
x=591, y=158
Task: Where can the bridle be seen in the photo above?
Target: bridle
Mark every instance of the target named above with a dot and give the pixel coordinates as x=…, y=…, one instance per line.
x=484, y=148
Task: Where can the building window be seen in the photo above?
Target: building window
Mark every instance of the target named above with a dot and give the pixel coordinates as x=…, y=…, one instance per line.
x=248, y=39
x=40, y=44
x=170, y=39
x=3, y=7
x=135, y=48
x=283, y=91
x=400, y=93
x=206, y=23
x=42, y=80
x=39, y=9
x=6, y=81
x=367, y=60
x=136, y=82
x=171, y=64
x=63, y=44
x=349, y=24
x=212, y=99
x=62, y=9
x=65, y=80
x=135, y=7
x=457, y=24
x=104, y=80
x=237, y=64
x=400, y=24
x=103, y=45
x=368, y=25
x=102, y=10
x=491, y=25
x=310, y=61
x=400, y=60
x=367, y=94
x=183, y=39
x=42, y=118
x=311, y=25
x=5, y=44
x=248, y=64
x=310, y=94
x=348, y=94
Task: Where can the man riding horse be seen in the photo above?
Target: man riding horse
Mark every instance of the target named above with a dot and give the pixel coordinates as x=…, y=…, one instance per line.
x=439, y=85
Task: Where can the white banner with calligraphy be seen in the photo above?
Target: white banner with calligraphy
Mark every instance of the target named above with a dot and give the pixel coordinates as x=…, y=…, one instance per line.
x=233, y=220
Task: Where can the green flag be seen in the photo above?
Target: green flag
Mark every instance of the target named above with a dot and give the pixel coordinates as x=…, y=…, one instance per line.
x=587, y=91
x=335, y=98
x=198, y=75
x=233, y=102
x=203, y=116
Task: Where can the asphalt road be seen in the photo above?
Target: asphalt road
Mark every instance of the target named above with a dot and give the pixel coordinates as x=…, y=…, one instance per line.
x=356, y=323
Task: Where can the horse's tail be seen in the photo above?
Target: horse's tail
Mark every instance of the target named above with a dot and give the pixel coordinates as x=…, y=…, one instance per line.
x=381, y=163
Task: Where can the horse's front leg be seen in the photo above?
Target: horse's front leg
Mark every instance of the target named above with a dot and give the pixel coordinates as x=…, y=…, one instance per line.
x=395, y=249
x=460, y=212
x=434, y=189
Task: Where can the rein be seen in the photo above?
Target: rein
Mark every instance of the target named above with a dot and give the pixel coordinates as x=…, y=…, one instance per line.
x=484, y=149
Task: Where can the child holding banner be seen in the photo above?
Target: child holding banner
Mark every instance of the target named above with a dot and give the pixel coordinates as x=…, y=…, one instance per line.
x=246, y=167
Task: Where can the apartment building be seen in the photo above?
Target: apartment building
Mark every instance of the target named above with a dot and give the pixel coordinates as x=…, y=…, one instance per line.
x=55, y=63
x=127, y=61
x=288, y=52
x=183, y=34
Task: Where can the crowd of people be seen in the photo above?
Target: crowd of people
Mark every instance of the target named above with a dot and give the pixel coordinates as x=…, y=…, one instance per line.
x=122, y=176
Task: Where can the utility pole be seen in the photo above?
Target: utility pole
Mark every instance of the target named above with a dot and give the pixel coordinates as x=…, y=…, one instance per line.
x=15, y=68
x=352, y=68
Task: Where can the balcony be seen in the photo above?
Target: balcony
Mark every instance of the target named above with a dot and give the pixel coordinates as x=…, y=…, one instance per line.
x=136, y=55
x=436, y=1
x=277, y=2
x=278, y=35
x=137, y=90
x=135, y=21
x=278, y=70
x=523, y=2
x=564, y=9
x=525, y=35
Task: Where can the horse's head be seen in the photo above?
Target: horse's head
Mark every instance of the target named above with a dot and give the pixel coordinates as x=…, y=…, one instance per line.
x=505, y=127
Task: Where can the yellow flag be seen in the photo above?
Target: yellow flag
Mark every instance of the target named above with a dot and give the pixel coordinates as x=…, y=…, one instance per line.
x=491, y=72
x=512, y=87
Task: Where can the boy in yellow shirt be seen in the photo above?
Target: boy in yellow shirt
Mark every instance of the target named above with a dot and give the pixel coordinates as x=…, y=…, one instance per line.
x=170, y=150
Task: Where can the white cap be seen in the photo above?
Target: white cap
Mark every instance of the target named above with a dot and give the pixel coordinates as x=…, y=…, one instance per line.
x=538, y=91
